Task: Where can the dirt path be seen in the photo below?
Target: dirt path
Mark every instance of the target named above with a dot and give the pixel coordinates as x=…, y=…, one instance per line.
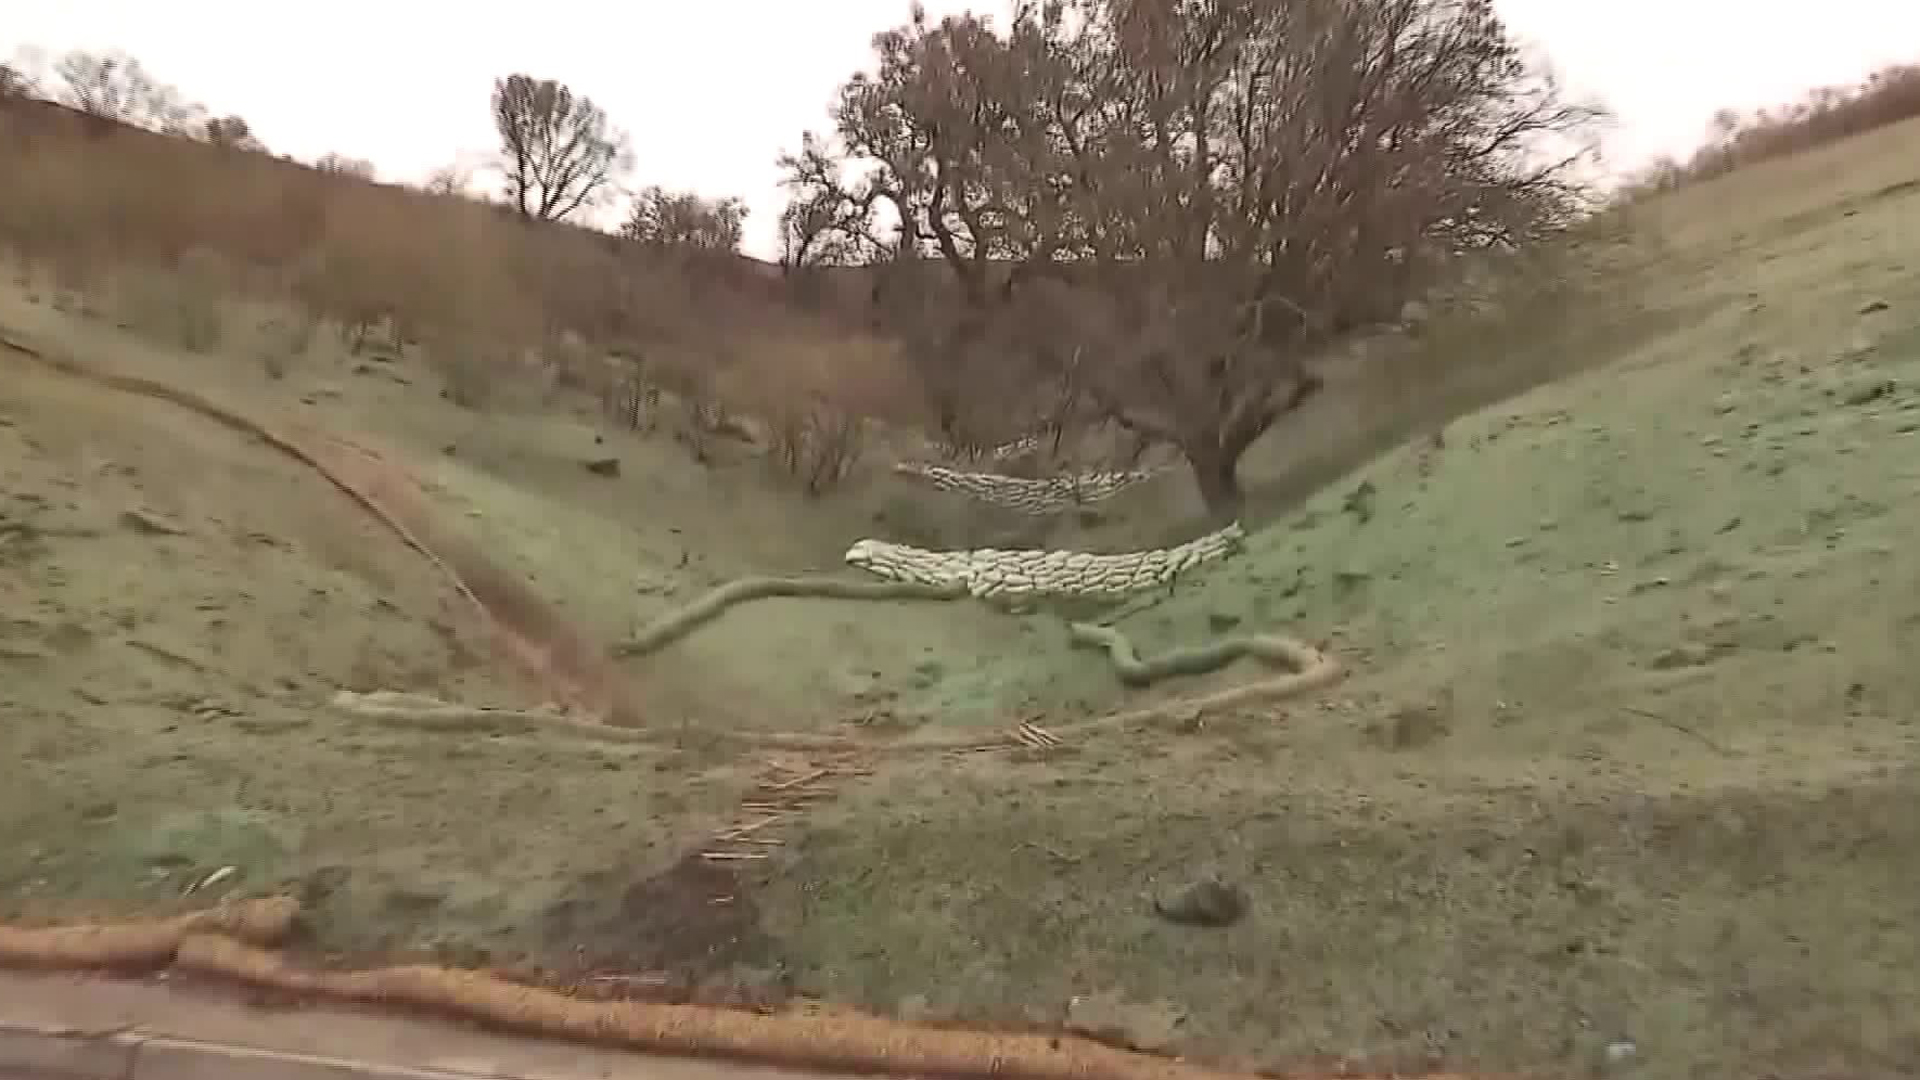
x=207, y=1032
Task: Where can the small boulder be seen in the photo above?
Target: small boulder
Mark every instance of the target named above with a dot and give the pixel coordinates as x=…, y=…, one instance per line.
x=1210, y=902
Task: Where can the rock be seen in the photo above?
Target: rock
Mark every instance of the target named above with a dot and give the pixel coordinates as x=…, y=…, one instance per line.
x=1873, y=307
x=914, y=1009
x=649, y=586
x=1688, y=654
x=321, y=884
x=150, y=523
x=1211, y=903
x=1870, y=391
x=18, y=650
x=413, y=899
x=1414, y=726
x=1351, y=578
x=1107, y=1018
x=606, y=466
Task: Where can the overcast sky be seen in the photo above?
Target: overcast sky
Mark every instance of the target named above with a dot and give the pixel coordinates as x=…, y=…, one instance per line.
x=712, y=89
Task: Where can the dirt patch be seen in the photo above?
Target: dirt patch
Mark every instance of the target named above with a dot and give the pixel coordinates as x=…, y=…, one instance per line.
x=689, y=934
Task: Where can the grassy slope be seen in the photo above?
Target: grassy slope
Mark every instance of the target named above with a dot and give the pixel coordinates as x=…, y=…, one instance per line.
x=1571, y=557
x=162, y=698
x=1629, y=753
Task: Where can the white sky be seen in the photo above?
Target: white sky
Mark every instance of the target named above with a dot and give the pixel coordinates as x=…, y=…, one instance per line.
x=711, y=90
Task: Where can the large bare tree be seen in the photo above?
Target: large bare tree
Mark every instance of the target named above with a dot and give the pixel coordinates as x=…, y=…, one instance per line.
x=1184, y=200
x=558, y=150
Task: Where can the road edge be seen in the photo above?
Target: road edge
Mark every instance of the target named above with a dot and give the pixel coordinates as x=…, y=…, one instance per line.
x=70, y=1054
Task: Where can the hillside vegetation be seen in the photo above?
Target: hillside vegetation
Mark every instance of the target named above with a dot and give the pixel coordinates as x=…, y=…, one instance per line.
x=1612, y=540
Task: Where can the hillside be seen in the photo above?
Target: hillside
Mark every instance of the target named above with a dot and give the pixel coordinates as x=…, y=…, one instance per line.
x=1625, y=758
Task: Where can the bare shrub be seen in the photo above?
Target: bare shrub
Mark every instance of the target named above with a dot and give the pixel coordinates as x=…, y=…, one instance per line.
x=701, y=419
x=182, y=305
x=818, y=405
x=469, y=367
x=1825, y=115
x=110, y=86
x=448, y=181
x=230, y=133
x=815, y=442
x=113, y=86
x=286, y=337
x=628, y=398
x=836, y=438
x=342, y=165
x=16, y=83
x=685, y=219
x=474, y=322
x=360, y=274
x=91, y=201
x=690, y=386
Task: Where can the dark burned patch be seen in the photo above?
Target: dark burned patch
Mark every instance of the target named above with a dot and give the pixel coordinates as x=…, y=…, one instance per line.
x=689, y=935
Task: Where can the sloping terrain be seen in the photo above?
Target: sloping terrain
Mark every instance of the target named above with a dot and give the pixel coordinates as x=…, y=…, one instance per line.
x=1623, y=775
x=180, y=604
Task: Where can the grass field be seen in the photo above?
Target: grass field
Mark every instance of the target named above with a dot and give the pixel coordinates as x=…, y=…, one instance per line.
x=1623, y=779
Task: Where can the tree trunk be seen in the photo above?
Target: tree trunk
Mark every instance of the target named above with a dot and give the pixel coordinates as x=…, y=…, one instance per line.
x=1215, y=455
x=1218, y=476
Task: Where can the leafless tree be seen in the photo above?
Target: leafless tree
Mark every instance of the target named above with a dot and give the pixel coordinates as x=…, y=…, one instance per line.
x=685, y=219
x=342, y=165
x=230, y=132
x=825, y=222
x=1193, y=198
x=447, y=180
x=23, y=74
x=112, y=86
x=557, y=149
x=115, y=86
x=16, y=83
x=171, y=114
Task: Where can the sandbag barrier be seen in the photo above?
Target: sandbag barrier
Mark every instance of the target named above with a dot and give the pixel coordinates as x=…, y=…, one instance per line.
x=1040, y=572
x=1041, y=497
